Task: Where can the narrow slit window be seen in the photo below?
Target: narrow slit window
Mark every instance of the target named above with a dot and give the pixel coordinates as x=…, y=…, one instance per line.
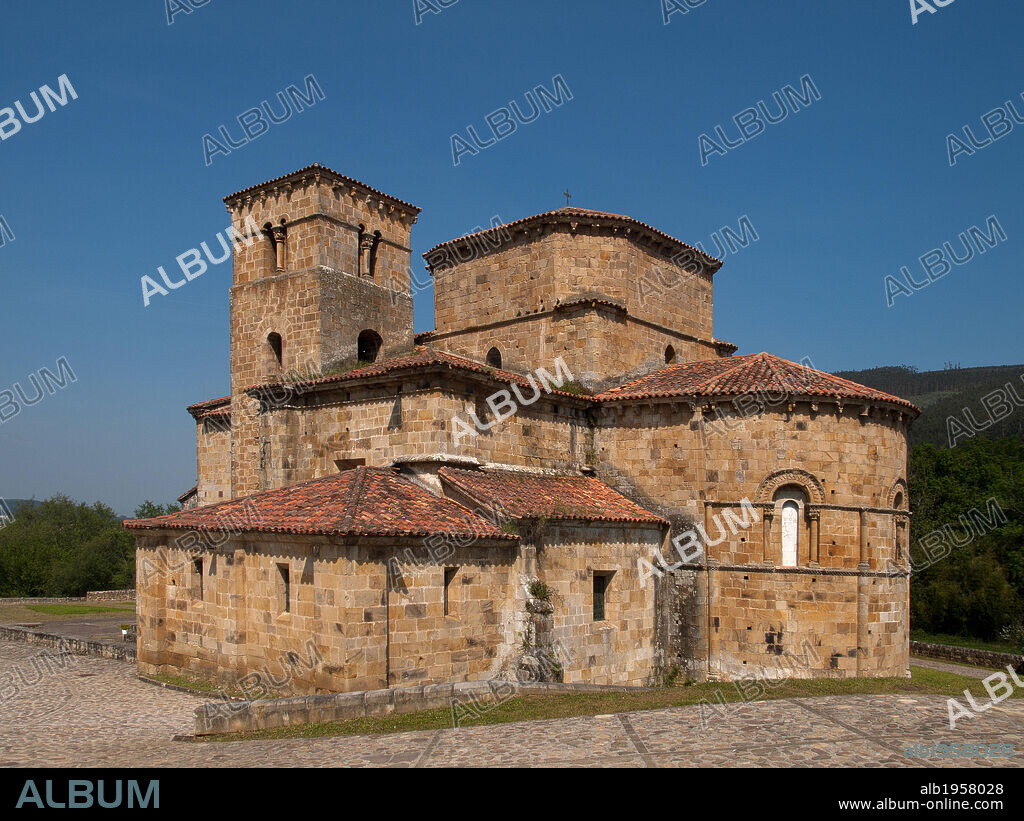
x=600, y=595
x=286, y=588
x=790, y=533
x=792, y=506
x=275, y=353
x=449, y=590
x=197, y=579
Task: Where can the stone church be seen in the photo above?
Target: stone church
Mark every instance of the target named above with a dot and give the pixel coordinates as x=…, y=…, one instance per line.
x=660, y=507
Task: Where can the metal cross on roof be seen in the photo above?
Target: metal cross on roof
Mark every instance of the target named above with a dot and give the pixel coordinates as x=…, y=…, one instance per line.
x=567, y=195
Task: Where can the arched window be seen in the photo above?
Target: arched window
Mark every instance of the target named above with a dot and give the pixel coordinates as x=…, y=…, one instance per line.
x=278, y=235
x=275, y=353
x=898, y=525
x=368, y=346
x=368, y=243
x=270, y=266
x=670, y=355
x=494, y=358
x=792, y=501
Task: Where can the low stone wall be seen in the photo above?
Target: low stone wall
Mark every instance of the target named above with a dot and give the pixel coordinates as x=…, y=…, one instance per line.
x=122, y=651
x=964, y=655
x=50, y=600
x=127, y=594
x=465, y=699
x=111, y=595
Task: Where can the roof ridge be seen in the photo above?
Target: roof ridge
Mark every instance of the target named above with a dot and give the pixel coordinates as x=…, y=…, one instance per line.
x=355, y=494
x=492, y=504
x=673, y=367
x=569, y=211
x=315, y=168
x=548, y=496
x=333, y=504
x=734, y=376
x=712, y=379
x=768, y=358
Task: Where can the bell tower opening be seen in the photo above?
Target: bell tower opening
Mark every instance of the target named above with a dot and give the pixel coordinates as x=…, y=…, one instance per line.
x=274, y=354
x=368, y=345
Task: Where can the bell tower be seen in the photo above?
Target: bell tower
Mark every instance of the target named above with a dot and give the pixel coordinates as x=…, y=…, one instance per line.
x=321, y=278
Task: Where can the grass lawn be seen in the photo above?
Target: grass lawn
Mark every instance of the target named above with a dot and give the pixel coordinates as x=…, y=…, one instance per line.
x=198, y=685
x=962, y=641
x=20, y=613
x=78, y=609
x=541, y=706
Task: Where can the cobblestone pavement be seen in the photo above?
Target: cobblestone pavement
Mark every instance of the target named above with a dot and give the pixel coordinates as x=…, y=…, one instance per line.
x=62, y=710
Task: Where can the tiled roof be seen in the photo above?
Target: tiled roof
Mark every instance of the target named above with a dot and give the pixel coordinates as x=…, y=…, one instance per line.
x=758, y=373
x=362, y=501
x=190, y=492
x=323, y=168
x=532, y=495
x=212, y=407
x=421, y=357
x=569, y=214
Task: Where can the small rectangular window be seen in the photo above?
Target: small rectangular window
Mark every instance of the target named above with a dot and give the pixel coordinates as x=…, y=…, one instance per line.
x=286, y=589
x=449, y=602
x=600, y=594
x=197, y=579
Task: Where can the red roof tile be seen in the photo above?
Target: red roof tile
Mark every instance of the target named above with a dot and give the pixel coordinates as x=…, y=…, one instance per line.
x=363, y=501
x=213, y=407
x=531, y=495
x=323, y=168
x=569, y=214
x=420, y=358
x=759, y=373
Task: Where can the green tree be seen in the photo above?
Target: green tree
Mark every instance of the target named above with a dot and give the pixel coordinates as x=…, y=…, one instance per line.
x=148, y=509
x=65, y=548
x=978, y=588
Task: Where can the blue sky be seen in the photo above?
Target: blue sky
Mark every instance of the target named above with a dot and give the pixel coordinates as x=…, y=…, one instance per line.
x=112, y=185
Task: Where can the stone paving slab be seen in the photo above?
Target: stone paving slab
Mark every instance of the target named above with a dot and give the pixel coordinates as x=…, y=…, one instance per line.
x=72, y=711
x=100, y=626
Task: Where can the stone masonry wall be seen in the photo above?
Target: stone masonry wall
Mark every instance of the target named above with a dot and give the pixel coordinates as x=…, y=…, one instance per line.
x=411, y=418
x=323, y=220
x=849, y=466
x=619, y=649
x=343, y=631
x=319, y=301
x=528, y=276
x=601, y=345
x=784, y=624
x=213, y=451
x=661, y=452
